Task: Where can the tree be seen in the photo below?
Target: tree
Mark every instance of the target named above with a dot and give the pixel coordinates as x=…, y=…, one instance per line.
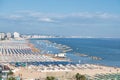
x=9, y=74
x=80, y=77
x=11, y=78
x=47, y=78
x=83, y=77
x=1, y=76
x=50, y=78
x=77, y=76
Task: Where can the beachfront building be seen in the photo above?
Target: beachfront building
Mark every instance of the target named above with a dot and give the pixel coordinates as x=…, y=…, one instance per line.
x=26, y=36
x=16, y=35
x=61, y=55
x=8, y=35
x=2, y=36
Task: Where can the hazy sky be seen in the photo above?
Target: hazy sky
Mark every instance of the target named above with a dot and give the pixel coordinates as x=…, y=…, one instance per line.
x=95, y=18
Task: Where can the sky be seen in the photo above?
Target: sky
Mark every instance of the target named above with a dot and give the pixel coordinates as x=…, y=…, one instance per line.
x=85, y=18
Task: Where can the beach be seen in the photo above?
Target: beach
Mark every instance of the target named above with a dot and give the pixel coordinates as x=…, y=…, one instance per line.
x=64, y=72
x=23, y=51
x=39, y=66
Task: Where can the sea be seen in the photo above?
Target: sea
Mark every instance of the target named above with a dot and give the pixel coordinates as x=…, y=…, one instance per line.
x=106, y=49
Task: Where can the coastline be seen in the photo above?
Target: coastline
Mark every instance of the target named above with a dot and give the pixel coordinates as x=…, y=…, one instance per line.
x=93, y=51
x=23, y=51
x=42, y=71
x=38, y=72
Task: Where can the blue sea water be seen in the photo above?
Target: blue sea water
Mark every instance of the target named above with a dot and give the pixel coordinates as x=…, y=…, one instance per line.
x=106, y=48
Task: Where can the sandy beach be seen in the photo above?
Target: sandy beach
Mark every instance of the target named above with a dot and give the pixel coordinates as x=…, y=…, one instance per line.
x=34, y=72
x=23, y=51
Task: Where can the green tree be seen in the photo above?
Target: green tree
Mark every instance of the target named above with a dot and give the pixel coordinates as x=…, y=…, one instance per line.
x=77, y=76
x=47, y=78
x=50, y=78
x=11, y=78
x=80, y=77
x=10, y=73
x=0, y=76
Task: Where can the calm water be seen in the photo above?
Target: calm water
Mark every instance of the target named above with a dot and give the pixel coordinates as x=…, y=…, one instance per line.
x=107, y=49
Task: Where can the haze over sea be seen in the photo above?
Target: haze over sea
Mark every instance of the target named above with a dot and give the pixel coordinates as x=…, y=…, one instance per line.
x=106, y=48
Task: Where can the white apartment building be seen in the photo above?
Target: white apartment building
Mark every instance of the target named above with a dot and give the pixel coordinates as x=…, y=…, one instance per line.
x=8, y=35
x=16, y=35
x=2, y=36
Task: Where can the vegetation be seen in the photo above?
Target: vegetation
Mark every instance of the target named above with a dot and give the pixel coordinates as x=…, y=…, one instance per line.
x=11, y=78
x=80, y=77
x=50, y=78
x=0, y=76
x=10, y=73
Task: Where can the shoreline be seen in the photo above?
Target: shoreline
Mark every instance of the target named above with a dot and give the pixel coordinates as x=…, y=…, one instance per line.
x=42, y=71
x=67, y=71
x=93, y=58
x=22, y=51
